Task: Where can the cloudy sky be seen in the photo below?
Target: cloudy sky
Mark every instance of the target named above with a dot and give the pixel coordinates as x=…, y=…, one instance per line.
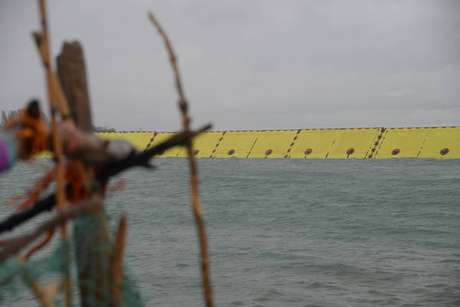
x=250, y=64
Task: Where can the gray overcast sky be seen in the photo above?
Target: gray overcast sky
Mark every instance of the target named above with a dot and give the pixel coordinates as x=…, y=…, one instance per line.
x=250, y=64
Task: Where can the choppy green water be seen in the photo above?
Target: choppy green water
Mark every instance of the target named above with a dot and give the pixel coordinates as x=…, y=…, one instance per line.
x=294, y=232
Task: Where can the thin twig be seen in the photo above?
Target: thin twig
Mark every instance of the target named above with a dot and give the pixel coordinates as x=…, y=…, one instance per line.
x=56, y=102
x=183, y=108
x=40, y=294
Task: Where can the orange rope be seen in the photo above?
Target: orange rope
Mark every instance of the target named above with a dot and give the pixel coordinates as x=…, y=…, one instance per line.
x=40, y=245
x=39, y=186
x=32, y=133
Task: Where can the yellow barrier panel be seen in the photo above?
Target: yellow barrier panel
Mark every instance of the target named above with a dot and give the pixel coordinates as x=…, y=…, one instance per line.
x=353, y=143
x=436, y=142
x=204, y=145
x=314, y=143
x=273, y=144
x=162, y=136
x=138, y=139
x=441, y=143
x=43, y=155
x=236, y=144
x=401, y=143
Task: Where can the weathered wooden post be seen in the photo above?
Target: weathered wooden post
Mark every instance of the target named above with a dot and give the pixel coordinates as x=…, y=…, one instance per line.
x=91, y=238
x=72, y=74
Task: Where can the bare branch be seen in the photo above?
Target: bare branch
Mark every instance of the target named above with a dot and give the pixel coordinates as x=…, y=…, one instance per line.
x=196, y=205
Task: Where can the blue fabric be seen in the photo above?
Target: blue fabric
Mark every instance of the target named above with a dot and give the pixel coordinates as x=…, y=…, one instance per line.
x=8, y=151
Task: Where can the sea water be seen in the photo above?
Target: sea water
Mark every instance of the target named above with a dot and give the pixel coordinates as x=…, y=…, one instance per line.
x=290, y=232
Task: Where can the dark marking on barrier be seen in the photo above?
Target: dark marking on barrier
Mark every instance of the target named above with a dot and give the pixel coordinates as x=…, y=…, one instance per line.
x=308, y=151
x=252, y=147
x=196, y=152
x=214, y=150
x=268, y=152
x=377, y=144
x=231, y=152
x=349, y=152
x=150, y=143
x=395, y=151
x=444, y=151
x=294, y=139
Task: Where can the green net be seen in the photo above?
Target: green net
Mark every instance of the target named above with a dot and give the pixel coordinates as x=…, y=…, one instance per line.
x=89, y=247
x=17, y=277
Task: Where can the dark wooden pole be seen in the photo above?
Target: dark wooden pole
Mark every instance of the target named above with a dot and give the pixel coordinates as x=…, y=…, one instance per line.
x=91, y=237
x=72, y=74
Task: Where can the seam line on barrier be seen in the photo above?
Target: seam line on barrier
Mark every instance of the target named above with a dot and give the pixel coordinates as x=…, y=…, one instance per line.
x=382, y=141
x=252, y=147
x=423, y=144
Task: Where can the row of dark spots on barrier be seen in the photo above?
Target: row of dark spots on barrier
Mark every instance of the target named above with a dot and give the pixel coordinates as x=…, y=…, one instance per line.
x=309, y=151
x=349, y=152
x=442, y=152
x=268, y=152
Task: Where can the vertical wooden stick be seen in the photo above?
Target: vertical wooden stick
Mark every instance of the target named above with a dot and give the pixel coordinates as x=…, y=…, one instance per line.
x=53, y=97
x=37, y=290
x=71, y=71
x=196, y=205
x=117, y=263
x=92, y=261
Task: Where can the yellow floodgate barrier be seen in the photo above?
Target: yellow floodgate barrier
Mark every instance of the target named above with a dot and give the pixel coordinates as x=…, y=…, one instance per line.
x=441, y=143
x=273, y=144
x=347, y=143
x=314, y=143
x=204, y=144
x=236, y=144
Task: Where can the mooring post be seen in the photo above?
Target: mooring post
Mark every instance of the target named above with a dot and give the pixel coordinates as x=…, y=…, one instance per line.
x=91, y=238
x=72, y=75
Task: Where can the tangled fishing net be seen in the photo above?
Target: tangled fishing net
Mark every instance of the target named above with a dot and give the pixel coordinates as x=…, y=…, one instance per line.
x=18, y=276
